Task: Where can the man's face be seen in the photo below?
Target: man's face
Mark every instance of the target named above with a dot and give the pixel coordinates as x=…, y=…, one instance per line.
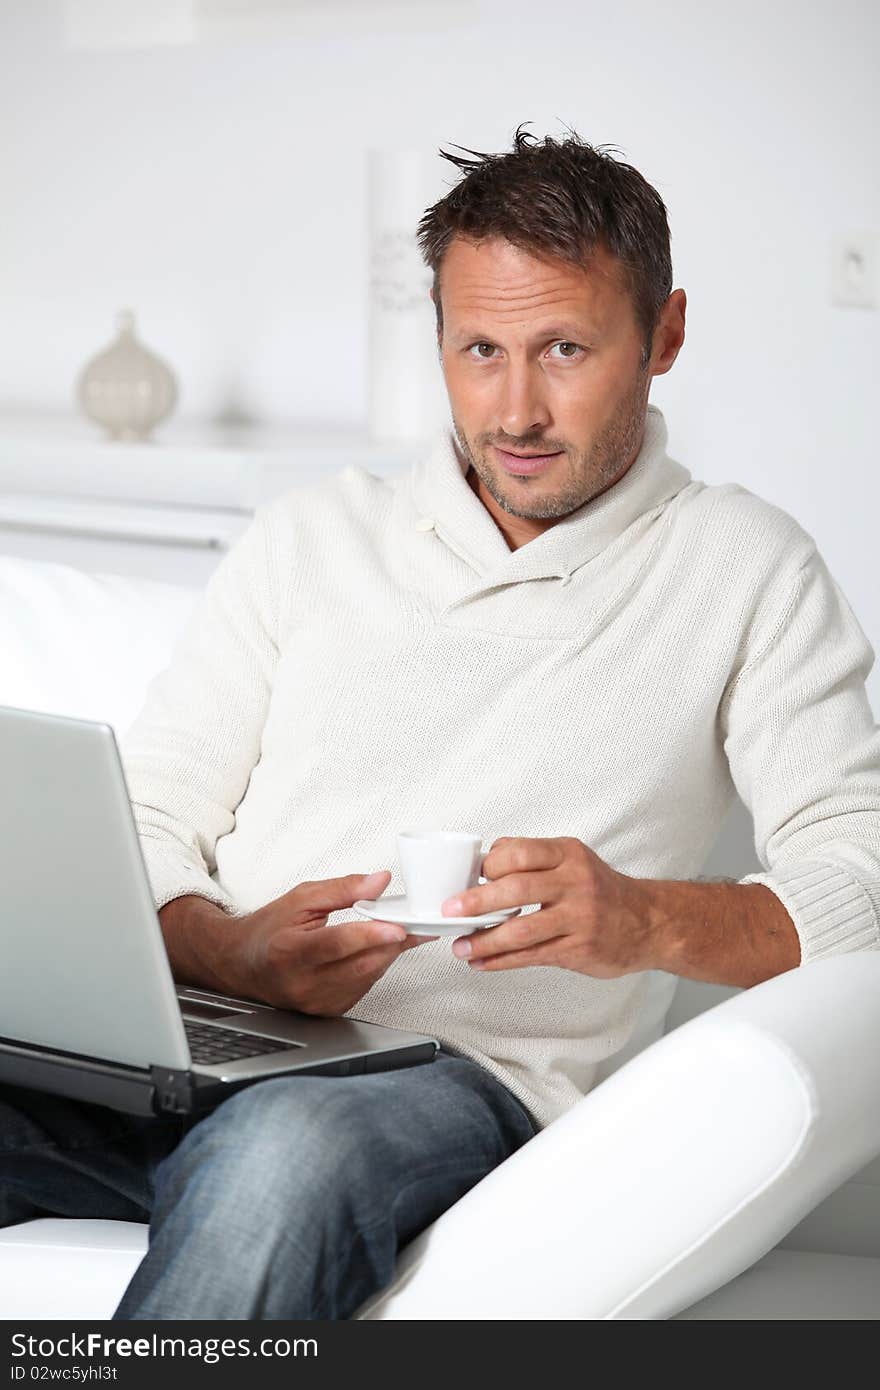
x=542, y=358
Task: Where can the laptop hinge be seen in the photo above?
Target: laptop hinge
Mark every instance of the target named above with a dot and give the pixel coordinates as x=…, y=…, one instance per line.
x=172, y=1091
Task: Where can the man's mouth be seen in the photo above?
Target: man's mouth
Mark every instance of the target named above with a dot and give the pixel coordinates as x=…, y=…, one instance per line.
x=524, y=464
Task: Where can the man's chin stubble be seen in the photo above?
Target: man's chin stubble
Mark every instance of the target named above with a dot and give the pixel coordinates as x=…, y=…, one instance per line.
x=531, y=505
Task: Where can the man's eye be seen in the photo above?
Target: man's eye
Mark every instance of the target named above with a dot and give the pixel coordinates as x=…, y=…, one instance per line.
x=566, y=356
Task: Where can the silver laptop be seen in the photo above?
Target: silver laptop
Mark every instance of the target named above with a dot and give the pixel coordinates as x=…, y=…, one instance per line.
x=88, y=1005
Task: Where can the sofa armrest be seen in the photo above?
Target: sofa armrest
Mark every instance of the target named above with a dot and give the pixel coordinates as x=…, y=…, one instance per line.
x=674, y=1175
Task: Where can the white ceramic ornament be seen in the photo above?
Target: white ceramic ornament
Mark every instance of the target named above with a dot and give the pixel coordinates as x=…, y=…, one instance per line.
x=126, y=388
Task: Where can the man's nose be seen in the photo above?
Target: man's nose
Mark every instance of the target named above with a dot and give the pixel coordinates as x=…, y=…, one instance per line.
x=523, y=410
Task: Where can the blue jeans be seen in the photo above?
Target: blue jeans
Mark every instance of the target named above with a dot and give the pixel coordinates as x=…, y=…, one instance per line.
x=290, y=1200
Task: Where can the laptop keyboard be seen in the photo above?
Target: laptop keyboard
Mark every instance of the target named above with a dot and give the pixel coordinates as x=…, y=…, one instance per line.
x=211, y=1045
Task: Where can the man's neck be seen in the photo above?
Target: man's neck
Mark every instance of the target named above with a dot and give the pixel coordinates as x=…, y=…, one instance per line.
x=516, y=530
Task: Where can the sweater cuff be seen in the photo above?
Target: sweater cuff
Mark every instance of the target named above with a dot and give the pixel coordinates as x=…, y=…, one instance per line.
x=831, y=910
x=172, y=876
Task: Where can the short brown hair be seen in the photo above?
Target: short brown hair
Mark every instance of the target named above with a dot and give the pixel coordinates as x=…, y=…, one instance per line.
x=562, y=199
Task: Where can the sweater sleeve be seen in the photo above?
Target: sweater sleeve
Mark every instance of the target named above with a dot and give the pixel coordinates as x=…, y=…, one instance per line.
x=190, y=752
x=804, y=754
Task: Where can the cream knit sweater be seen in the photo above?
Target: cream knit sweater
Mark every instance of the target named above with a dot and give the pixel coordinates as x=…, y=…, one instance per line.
x=371, y=655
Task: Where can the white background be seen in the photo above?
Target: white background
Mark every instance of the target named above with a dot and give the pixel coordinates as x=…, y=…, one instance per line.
x=215, y=182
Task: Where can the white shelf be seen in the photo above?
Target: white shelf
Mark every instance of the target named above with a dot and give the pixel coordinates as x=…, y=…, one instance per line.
x=190, y=526
x=192, y=463
x=164, y=510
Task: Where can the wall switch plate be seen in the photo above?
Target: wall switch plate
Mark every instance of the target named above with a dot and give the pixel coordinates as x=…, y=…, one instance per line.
x=855, y=270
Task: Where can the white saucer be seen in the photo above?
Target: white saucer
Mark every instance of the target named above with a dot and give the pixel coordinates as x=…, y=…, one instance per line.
x=394, y=909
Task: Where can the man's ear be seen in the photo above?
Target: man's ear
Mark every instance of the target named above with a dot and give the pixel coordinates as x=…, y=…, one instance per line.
x=669, y=336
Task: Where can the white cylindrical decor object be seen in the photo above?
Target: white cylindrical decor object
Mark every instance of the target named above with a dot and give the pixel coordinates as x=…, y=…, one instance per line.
x=406, y=392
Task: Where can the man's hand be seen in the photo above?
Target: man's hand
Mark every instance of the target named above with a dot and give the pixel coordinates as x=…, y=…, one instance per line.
x=284, y=953
x=592, y=919
x=603, y=923
x=297, y=961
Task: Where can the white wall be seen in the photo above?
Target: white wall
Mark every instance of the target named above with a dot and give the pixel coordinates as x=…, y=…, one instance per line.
x=218, y=188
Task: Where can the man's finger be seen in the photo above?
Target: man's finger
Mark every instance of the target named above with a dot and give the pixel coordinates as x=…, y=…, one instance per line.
x=513, y=890
x=524, y=933
x=373, y=958
x=326, y=895
x=522, y=854
x=545, y=954
x=326, y=945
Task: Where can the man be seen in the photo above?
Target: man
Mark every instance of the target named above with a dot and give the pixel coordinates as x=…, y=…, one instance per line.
x=546, y=632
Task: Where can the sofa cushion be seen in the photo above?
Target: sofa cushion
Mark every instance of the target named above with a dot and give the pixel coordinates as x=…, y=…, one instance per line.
x=62, y=1269
x=795, y=1286
x=84, y=645
x=55, y=1268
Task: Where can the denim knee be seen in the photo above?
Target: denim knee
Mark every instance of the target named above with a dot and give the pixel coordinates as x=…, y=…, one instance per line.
x=293, y=1197
x=273, y=1145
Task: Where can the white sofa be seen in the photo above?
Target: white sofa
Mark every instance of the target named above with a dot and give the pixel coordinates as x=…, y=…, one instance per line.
x=726, y=1167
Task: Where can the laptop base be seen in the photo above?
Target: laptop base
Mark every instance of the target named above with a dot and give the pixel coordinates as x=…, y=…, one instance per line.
x=160, y=1090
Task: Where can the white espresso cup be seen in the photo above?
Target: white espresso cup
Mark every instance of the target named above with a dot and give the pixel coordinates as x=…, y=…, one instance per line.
x=436, y=864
